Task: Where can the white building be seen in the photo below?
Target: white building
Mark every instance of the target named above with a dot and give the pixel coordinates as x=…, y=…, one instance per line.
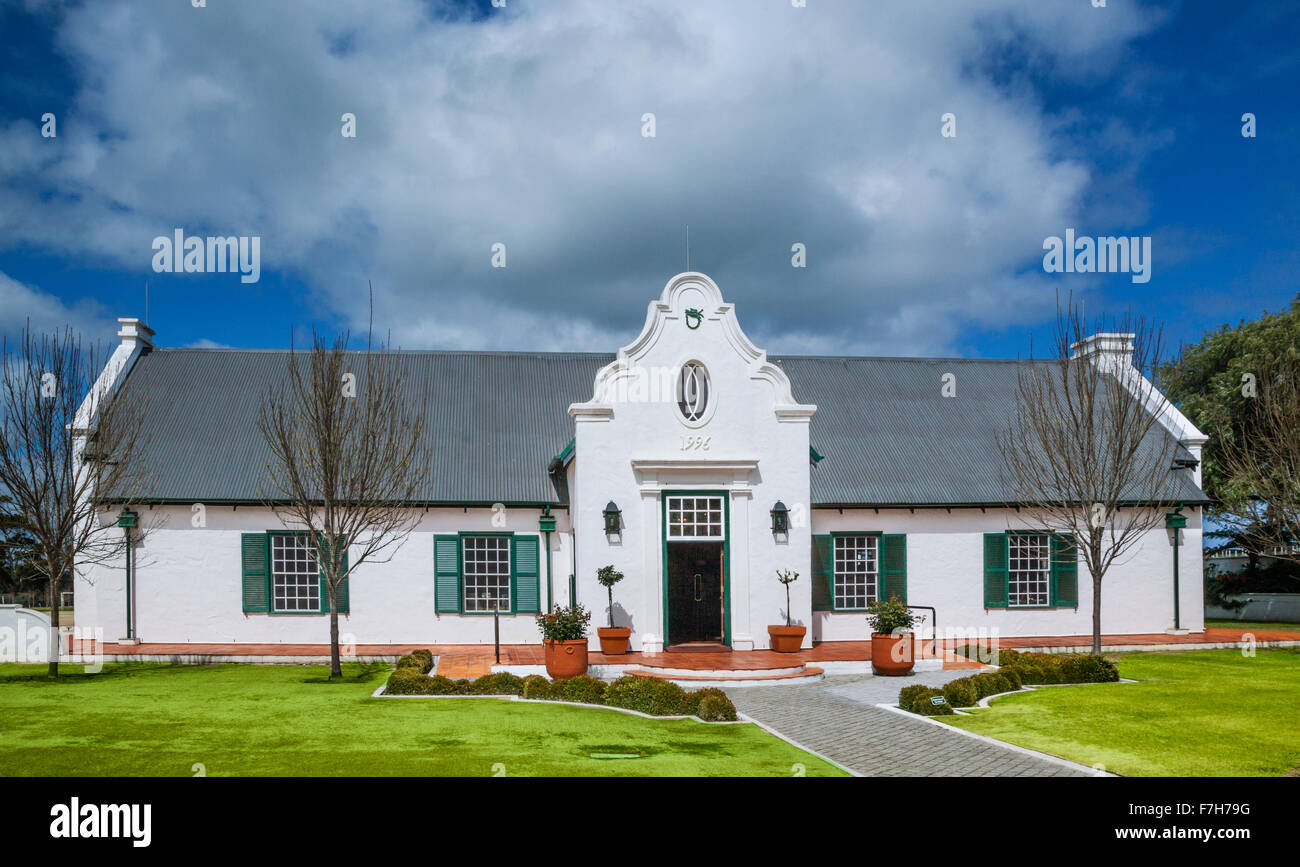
x=694, y=435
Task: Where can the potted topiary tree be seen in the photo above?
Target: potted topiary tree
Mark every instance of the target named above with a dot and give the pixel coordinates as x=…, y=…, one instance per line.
x=613, y=639
x=564, y=636
x=788, y=638
x=891, y=637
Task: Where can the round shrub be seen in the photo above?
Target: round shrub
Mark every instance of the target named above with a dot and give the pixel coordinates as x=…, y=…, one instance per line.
x=669, y=699
x=406, y=681
x=439, y=685
x=1008, y=657
x=960, y=693
x=419, y=660
x=694, y=699
x=1086, y=668
x=992, y=683
x=536, y=687
x=1012, y=677
x=922, y=705
x=498, y=683
x=716, y=707
x=908, y=694
x=1000, y=683
x=647, y=695
x=583, y=690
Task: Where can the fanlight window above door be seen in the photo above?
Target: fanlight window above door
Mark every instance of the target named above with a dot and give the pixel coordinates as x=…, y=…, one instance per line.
x=693, y=391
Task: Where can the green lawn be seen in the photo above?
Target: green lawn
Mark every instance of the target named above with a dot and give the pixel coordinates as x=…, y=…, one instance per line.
x=243, y=720
x=1253, y=624
x=1203, y=713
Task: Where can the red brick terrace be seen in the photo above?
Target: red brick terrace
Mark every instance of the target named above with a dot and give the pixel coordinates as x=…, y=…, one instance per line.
x=473, y=660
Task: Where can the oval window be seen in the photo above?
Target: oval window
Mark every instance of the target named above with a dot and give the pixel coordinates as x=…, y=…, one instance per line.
x=693, y=391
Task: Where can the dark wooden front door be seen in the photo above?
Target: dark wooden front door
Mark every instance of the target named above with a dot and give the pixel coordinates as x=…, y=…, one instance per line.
x=695, y=592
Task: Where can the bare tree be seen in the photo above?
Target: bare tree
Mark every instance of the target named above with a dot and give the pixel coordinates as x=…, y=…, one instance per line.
x=1086, y=455
x=68, y=448
x=1261, y=463
x=345, y=465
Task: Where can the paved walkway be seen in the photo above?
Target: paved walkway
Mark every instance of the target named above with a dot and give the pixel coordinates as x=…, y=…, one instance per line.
x=838, y=718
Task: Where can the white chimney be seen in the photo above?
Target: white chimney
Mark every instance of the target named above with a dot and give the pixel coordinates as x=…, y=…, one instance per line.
x=135, y=333
x=1107, y=348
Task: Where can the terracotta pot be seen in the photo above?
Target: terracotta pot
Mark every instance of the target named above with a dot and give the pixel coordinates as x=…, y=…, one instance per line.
x=891, y=656
x=566, y=659
x=786, y=639
x=613, y=639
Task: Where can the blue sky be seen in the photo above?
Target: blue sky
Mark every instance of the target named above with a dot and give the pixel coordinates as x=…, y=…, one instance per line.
x=775, y=125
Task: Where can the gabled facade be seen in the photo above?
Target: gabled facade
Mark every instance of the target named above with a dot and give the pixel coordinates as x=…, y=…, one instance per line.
x=689, y=460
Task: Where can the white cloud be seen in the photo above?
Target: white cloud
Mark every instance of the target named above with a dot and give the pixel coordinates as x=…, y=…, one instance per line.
x=775, y=125
x=21, y=304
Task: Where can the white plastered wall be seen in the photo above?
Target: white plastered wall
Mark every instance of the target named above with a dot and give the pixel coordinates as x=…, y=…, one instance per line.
x=188, y=584
x=945, y=569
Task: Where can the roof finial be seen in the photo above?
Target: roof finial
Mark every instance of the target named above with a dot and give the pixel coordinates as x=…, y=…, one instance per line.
x=688, y=247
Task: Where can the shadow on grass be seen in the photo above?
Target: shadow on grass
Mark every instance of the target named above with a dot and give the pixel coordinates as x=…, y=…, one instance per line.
x=72, y=674
x=354, y=673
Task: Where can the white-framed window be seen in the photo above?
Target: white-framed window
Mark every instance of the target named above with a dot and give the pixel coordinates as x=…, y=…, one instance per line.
x=295, y=575
x=1029, y=570
x=696, y=519
x=486, y=573
x=693, y=389
x=857, y=572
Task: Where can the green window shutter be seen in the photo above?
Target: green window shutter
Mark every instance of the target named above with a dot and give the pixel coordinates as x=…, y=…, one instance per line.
x=1065, y=570
x=256, y=572
x=821, y=575
x=446, y=574
x=524, y=574
x=995, y=570
x=893, y=566
x=344, y=601
x=343, y=588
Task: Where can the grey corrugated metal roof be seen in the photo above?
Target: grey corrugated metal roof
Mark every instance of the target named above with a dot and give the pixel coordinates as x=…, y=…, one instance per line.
x=887, y=435
x=507, y=417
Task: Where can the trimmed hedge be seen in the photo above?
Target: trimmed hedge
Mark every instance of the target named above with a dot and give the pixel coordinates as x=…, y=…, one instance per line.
x=420, y=660
x=1058, y=668
x=502, y=683
x=1017, y=669
x=917, y=700
x=960, y=693
x=645, y=694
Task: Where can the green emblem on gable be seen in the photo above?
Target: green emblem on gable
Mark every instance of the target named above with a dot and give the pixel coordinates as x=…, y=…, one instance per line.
x=693, y=318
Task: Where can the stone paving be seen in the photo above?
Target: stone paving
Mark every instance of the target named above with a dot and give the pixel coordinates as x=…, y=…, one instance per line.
x=838, y=718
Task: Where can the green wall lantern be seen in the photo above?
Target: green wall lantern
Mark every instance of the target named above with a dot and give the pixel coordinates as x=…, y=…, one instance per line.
x=613, y=519
x=780, y=519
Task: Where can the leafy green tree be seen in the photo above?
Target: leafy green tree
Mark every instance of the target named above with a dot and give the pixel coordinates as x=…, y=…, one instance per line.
x=1221, y=383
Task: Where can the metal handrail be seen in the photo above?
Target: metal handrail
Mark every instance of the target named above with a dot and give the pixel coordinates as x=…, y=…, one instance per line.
x=934, y=619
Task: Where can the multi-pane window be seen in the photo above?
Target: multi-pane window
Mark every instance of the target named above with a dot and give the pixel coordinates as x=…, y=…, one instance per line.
x=486, y=573
x=695, y=518
x=295, y=576
x=1029, y=570
x=857, y=571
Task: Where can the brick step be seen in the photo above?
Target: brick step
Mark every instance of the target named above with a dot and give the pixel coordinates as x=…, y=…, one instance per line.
x=804, y=674
x=660, y=667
